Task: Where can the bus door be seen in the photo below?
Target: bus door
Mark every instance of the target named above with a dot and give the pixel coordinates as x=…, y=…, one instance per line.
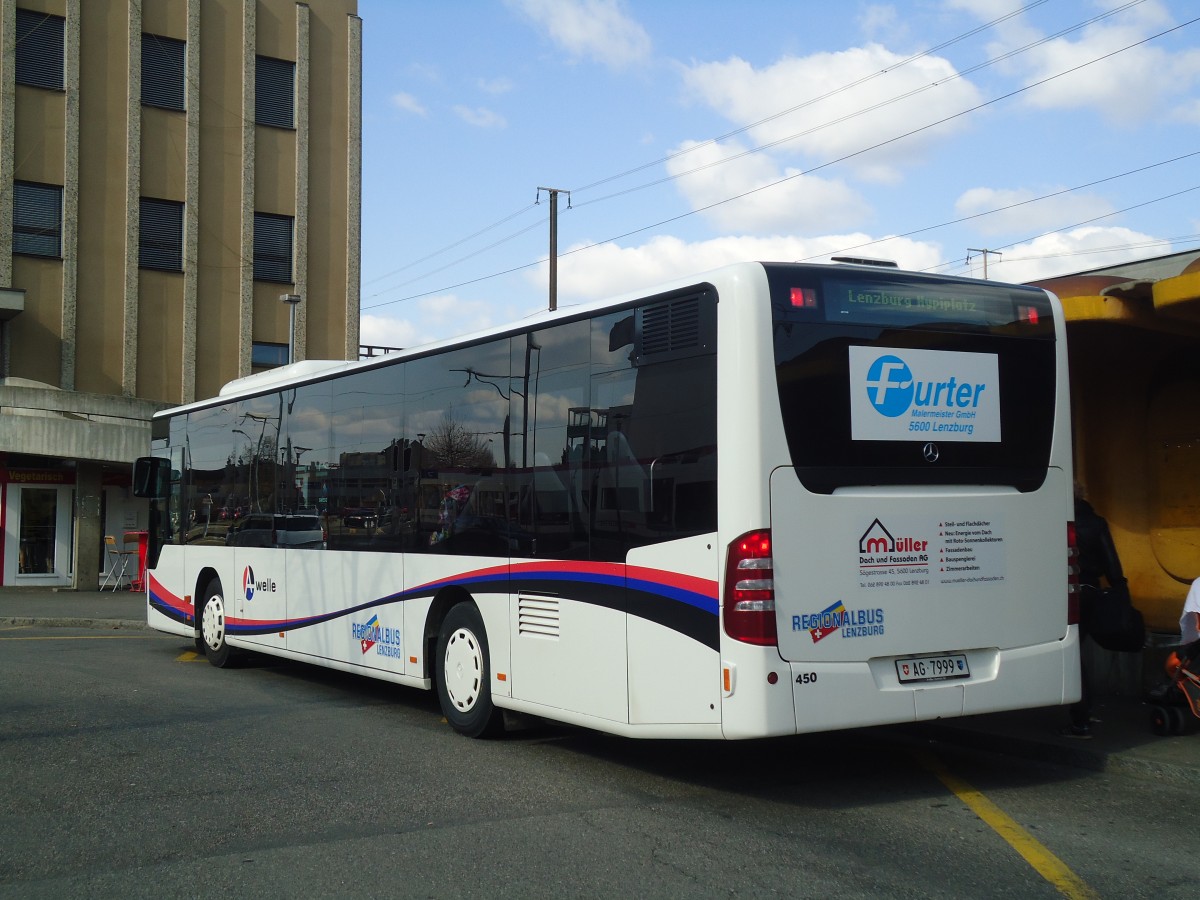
x=568, y=620
x=261, y=587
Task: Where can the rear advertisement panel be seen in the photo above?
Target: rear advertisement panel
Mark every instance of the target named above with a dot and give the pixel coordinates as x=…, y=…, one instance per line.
x=939, y=395
x=875, y=575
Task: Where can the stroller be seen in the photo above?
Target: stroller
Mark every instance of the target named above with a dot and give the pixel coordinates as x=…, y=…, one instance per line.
x=1167, y=715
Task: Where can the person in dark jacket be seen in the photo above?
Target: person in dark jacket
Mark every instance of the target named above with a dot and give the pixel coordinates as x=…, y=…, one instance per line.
x=1099, y=567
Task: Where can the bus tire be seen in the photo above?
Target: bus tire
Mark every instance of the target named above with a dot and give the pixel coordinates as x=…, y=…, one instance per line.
x=213, y=628
x=464, y=674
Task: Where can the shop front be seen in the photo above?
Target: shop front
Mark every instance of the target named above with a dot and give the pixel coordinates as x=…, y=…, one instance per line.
x=40, y=511
x=38, y=536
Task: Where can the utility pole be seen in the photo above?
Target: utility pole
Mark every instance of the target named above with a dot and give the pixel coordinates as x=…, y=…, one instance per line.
x=984, y=253
x=553, y=192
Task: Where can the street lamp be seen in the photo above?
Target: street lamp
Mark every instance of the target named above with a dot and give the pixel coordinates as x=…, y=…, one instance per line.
x=292, y=301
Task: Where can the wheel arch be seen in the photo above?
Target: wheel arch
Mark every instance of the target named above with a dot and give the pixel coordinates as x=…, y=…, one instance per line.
x=443, y=601
x=204, y=578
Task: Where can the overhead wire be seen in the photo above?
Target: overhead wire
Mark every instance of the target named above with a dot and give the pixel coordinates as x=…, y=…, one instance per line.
x=1010, y=206
x=455, y=262
x=1107, y=215
x=1110, y=248
x=832, y=162
x=758, y=148
x=711, y=141
x=890, y=140
x=814, y=100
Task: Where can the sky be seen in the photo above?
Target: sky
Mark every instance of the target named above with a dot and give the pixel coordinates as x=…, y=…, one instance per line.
x=1058, y=135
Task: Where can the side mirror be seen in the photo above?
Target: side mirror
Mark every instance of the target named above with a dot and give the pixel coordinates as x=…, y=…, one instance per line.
x=150, y=477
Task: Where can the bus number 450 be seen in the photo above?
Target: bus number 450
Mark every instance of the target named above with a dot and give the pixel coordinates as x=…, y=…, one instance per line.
x=806, y=678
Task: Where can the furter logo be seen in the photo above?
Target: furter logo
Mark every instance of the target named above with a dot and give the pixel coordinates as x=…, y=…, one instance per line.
x=890, y=385
x=909, y=394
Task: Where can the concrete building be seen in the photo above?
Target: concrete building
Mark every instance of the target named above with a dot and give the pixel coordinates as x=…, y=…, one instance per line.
x=169, y=172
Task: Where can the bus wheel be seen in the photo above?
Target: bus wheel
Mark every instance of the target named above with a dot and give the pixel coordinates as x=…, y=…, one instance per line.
x=212, y=626
x=464, y=674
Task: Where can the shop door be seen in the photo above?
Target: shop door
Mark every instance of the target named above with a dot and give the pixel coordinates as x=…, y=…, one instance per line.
x=43, y=531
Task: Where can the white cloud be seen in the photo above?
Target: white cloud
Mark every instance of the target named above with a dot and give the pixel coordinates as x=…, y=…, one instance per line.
x=1132, y=84
x=1026, y=216
x=1137, y=83
x=802, y=204
x=609, y=270
x=984, y=9
x=428, y=319
x=827, y=129
x=408, y=103
x=424, y=71
x=386, y=331
x=882, y=20
x=1073, y=251
x=599, y=30
x=1188, y=113
x=480, y=117
x=495, y=85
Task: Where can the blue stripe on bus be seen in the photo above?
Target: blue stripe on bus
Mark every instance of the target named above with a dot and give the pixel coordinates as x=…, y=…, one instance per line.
x=689, y=612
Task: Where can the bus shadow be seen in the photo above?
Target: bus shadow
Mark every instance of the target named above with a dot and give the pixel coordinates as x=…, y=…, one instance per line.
x=836, y=770
x=851, y=769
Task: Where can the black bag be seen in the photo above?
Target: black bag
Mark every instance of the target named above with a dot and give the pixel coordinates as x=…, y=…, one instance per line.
x=1109, y=617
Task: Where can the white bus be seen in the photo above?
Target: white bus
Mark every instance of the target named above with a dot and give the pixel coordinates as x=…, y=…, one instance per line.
x=772, y=499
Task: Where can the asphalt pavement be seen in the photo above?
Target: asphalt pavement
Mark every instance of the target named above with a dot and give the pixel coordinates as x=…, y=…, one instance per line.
x=1122, y=739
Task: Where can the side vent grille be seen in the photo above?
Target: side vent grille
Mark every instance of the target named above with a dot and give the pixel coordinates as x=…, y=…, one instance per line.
x=676, y=328
x=671, y=326
x=538, y=617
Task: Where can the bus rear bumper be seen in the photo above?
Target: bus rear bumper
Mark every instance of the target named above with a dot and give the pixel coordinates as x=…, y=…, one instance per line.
x=828, y=696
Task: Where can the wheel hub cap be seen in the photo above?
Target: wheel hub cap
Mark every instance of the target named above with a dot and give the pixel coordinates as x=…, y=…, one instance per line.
x=464, y=669
x=213, y=623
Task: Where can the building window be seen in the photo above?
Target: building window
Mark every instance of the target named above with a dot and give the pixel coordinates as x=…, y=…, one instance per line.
x=273, y=248
x=163, y=71
x=39, y=49
x=160, y=238
x=274, y=92
x=264, y=355
x=37, y=219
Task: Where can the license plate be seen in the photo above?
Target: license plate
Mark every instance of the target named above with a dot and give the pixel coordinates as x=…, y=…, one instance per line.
x=932, y=668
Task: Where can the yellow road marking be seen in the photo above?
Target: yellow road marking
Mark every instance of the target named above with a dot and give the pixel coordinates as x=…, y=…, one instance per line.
x=191, y=656
x=1045, y=863
x=88, y=637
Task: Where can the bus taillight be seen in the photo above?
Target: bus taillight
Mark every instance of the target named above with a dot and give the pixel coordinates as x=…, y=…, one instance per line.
x=804, y=298
x=750, y=590
x=1072, y=576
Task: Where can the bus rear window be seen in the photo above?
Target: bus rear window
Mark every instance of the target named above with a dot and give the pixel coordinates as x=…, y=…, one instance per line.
x=911, y=379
